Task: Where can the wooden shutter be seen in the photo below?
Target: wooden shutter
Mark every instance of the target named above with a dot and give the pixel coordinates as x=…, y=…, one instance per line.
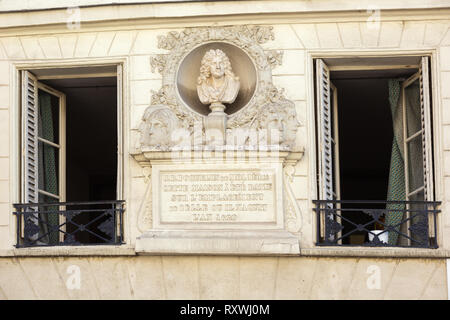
x=119, y=190
x=30, y=137
x=422, y=131
x=426, y=128
x=324, y=126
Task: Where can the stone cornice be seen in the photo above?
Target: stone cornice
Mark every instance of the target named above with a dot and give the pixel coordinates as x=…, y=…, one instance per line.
x=259, y=6
x=147, y=158
x=163, y=15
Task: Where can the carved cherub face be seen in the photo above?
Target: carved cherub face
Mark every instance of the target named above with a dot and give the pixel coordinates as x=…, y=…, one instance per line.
x=281, y=125
x=291, y=124
x=157, y=131
x=275, y=128
x=157, y=127
x=274, y=124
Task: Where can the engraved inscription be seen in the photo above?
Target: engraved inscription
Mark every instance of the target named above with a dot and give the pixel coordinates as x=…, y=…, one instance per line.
x=217, y=197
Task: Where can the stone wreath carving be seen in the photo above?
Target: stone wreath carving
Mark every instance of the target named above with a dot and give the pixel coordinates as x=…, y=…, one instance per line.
x=268, y=118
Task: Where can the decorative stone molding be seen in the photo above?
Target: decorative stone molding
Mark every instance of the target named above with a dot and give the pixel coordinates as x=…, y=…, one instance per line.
x=275, y=58
x=217, y=206
x=246, y=37
x=145, y=217
x=150, y=159
x=227, y=195
x=166, y=96
x=250, y=114
x=275, y=123
x=293, y=215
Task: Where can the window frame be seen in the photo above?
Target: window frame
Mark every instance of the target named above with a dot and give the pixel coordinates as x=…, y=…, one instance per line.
x=16, y=132
x=437, y=139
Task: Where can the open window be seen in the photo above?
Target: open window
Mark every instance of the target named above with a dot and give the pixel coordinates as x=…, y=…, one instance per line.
x=71, y=159
x=374, y=152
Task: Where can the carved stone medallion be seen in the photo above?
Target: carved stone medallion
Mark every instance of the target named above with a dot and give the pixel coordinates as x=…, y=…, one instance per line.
x=254, y=104
x=242, y=67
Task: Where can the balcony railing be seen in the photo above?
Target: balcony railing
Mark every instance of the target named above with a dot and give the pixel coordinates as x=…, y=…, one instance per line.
x=377, y=223
x=69, y=223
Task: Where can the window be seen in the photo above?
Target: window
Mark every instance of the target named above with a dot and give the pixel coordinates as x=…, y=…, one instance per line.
x=374, y=151
x=71, y=164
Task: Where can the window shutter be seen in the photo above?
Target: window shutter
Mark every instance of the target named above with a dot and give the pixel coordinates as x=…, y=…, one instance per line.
x=426, y=128
x=30, y=137
x=119, y=190
x=325, y=151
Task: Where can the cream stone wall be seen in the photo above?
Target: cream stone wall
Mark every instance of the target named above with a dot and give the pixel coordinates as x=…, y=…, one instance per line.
x=207, y=277
x=5, y=198
x=300, y=36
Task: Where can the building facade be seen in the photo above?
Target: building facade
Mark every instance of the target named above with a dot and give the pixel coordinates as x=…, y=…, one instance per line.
x=320, y=169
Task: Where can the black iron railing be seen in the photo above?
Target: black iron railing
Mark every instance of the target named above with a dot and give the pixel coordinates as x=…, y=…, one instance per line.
x=69, y=223
x=377, y=223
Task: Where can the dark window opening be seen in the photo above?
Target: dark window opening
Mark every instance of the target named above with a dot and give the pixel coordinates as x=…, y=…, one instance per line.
x=91, y=149
x=374, y=152
x=365, y=144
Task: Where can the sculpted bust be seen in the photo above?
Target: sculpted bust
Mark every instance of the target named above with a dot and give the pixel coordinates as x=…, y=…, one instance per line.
x=217, y=83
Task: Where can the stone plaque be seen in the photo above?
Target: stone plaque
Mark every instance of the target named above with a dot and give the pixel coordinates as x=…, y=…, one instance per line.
x=226, y=198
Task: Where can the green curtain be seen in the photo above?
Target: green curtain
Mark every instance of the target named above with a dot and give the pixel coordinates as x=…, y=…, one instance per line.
x=48, y=179
x=396, y=187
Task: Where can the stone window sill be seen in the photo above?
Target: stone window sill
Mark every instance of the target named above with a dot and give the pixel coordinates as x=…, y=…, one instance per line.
x=375, y=252
x=315, y=251
x=59, y=251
